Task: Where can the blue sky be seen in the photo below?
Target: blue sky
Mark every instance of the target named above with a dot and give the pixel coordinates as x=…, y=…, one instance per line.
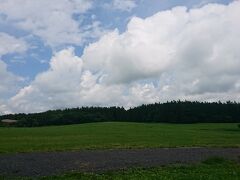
x=31, y=40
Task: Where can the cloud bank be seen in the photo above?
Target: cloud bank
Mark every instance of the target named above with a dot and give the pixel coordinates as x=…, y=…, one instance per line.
x=180, y=53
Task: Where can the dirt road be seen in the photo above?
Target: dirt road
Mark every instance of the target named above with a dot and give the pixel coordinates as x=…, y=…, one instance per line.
x=50, y=163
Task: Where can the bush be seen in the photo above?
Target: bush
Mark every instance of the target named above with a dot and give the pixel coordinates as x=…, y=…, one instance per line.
x=215, y=160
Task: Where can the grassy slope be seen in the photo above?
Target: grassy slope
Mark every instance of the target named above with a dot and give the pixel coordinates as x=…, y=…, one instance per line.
x=117, y=135
x=215, y=169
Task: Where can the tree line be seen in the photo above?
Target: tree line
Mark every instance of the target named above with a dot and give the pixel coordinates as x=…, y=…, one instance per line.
x=169, y=112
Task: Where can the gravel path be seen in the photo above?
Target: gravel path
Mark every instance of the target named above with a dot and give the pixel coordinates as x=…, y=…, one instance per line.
x=50, y=163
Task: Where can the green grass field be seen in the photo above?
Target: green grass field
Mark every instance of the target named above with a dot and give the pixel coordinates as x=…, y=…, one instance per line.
x=212, y=169
x=117, y=135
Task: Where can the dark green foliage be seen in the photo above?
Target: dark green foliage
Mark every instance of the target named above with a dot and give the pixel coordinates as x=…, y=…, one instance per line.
x=170, y=112
x=214, y=160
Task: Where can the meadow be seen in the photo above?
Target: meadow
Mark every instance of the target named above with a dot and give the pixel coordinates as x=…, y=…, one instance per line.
x=205, y=171
x=114, y=135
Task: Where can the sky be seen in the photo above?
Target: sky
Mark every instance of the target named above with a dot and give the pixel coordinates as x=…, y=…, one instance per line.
x=71, y=53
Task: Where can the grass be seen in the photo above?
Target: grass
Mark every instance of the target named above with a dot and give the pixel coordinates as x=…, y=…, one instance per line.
x=117, y=135
x=212, y=169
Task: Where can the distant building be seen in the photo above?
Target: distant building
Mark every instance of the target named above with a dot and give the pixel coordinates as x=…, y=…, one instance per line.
x=8, y=121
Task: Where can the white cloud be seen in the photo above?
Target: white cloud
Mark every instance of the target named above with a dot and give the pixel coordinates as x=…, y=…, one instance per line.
x=51, y=20
x=10, y=44
x=9, y=83
x=65, y=84
x=190, y=45
x=175, y=54
x=122, y=5
x=8, y=80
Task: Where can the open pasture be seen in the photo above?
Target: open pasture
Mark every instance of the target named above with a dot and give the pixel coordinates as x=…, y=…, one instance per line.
x=117, y=136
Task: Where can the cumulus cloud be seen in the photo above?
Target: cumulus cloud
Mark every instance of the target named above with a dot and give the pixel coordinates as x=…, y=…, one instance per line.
x=8, y=86
x=65, y=84
x=53, y=21
x=8, y=81
x=191, y=45
x=175, y=54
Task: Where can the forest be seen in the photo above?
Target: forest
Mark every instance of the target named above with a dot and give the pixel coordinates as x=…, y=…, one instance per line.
x=169, y=112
